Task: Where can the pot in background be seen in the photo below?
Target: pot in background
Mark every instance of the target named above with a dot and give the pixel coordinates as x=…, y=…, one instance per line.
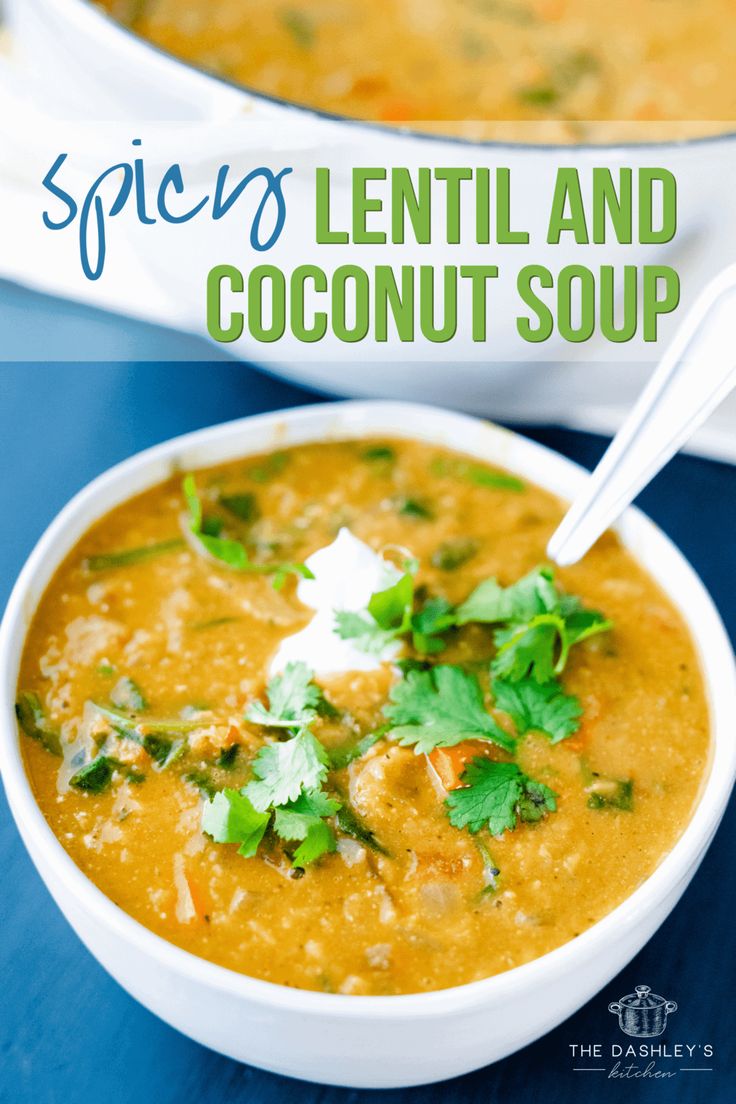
x=83, y=65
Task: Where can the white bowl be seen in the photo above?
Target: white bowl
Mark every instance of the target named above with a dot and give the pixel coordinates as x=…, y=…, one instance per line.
x=373, y=1042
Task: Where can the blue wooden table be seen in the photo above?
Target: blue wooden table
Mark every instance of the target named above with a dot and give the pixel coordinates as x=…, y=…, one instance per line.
x=68, y=1034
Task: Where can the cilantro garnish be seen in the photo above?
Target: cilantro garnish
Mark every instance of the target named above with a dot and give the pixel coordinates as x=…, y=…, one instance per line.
x=538, y=624
x=104, y=561
x=476, y=473
x=386, y=618
x=428, y=624
x=607, y=793
x=496, y=796
x=208, y=535
x=283, y=769
x=539, y=707
x=33, y=721
x=94, y=777
x=441, y=708
x=293, y=700
x=452, y=554
x=229, y=817
x=242, y=506
x=303, y=820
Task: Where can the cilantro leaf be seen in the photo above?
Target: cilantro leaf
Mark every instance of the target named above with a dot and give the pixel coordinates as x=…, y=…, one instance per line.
x=496, y=796
x=232, y=553
x=491, y=603
x=94, y=777
x=242, y=506
x=365, y=633
x=32, y=719
x=441, y=708
x=293, y=699
x=302, y=819
x=528, y=649
x=476, y=473
x=428, y=623
x=293, y=820
x=538, y=624
x=388, y=615
x=539, y=706
x=283, y=770
x=319, y=840
x=352, y=825
x=391, y=608
x=229, y=817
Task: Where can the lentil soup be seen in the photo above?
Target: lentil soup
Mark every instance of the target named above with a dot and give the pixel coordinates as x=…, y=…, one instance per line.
x=453, y=60
x=324, y=717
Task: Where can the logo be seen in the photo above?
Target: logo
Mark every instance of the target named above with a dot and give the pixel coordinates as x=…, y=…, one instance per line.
x=642, y=1013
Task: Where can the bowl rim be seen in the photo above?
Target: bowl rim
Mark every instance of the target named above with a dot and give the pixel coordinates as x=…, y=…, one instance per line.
x=91, y=10
x=345, y=420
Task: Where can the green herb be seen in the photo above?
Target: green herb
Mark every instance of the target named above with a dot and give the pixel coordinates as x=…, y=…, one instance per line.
x=539, y=707
x=302, y=819
x=106, y=670
x=538, y=95
x=203, y=781
x=441, y=708
x=164, y=752
x=242, y=506
x=497, y=796
x=351, y=824
x=126, y=694
x=477, y=474
x=388, y=616
x=103, y=561
x=214, y=623
x=272, y=466
x=341, y=757
x=382, y=454
x=541, y=624
x=452, y=554
x=233, y=553
x=428, y=624
x=229, y=817
x=415, y=508
x=300, y=26
x=607, y=793
x=132, y=726
x=226, y=758
x=491, y=872
x=283, y=770
x=293, y=699
x=95, y=776
x=32, y=719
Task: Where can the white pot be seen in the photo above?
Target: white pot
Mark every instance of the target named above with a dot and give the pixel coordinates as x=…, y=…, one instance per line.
x=373, y=1042
x=82, y=65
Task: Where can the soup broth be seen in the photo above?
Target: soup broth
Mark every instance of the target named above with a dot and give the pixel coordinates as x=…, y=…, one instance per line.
x=462, y=60
x=384, y=790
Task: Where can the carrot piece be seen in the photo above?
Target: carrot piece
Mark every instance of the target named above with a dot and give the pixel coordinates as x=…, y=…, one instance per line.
x=449, y=763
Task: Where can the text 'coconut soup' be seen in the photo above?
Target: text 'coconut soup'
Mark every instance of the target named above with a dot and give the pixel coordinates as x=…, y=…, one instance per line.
x=327, y=718
x=411, y=60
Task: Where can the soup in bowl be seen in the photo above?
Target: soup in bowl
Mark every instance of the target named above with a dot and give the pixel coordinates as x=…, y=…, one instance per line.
x=303, y=700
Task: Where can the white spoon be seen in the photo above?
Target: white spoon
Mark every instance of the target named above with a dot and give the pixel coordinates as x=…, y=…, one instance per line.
x=695, y=374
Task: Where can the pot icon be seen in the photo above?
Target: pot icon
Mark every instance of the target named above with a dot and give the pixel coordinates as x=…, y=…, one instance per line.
x=642, y=1013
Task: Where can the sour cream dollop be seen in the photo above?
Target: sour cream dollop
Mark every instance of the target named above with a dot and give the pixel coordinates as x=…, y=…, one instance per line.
x=346, y=573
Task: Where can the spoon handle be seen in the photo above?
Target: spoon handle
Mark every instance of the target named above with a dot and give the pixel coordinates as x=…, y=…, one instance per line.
x=695, y=374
